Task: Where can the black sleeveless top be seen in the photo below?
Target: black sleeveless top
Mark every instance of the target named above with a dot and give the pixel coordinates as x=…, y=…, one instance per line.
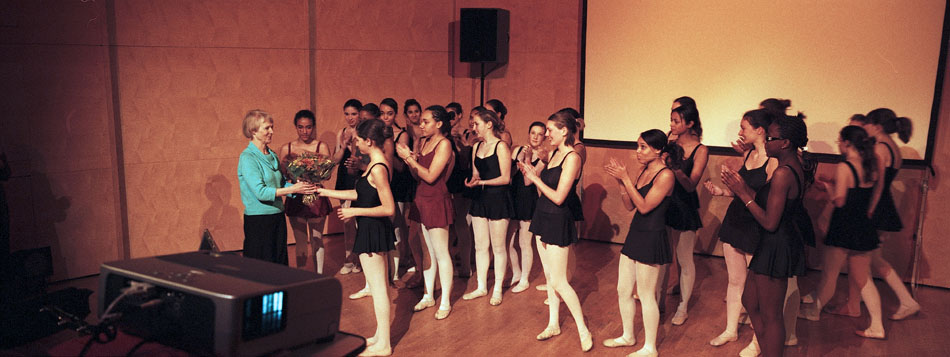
x=524, y=198
x=738, y=219
x=403, y=185
x=373, y=234
x=886, y=217
x=683, y=214
x=345, y=181
x=655, y=220
x=850, y=227
x=780, y=253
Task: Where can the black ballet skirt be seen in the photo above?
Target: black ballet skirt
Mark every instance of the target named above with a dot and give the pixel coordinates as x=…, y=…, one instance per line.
x=553, y=223
x=738, y=220
x=885, y=217
x=780, y=253
x=403, y=185
x=373, y=234
x=683, y=214
x=524, y=198
x=850, y=227
x=345, y=181
x=491, y=202
x=647, y=241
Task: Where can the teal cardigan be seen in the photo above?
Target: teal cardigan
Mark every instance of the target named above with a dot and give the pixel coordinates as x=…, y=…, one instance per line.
x=259, y=178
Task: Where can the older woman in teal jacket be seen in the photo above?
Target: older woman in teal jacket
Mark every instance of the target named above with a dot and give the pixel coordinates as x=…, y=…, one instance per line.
x=265, y=231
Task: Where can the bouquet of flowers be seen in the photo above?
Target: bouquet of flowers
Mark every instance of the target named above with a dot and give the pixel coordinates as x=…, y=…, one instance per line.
x=312, y=168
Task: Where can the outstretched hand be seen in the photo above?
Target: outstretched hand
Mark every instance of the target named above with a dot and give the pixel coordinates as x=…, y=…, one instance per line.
x=715, y=190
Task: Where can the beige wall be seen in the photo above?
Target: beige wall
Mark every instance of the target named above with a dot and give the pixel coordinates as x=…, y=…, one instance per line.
x=186, y=72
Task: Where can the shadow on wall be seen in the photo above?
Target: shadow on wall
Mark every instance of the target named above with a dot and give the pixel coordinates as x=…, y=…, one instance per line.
x=222, y=219
x=52, y=211
x=597, y=224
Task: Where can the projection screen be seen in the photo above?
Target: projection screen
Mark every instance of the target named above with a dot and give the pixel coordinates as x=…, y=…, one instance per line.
x=832, y=59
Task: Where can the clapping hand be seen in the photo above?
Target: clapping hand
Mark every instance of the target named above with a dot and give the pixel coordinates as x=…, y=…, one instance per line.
x=736, y=184
x=740, y=146
x=715, y=190
x=528, y=171
x=617, y=169
x=403, y=151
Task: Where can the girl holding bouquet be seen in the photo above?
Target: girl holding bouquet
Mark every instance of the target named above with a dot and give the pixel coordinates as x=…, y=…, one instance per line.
x=306, y=220
x=372, y=208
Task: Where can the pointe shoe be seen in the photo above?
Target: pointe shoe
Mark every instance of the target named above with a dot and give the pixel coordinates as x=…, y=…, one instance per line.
x=587, y=341
x=423, y=304
x=520, y=287
x=752, y=350
x=723, y=339
x=475, y=294
x=495, y=299
x=866, y=334
x=904, y=312
x=542, y=287
x=619, y=342
x=360, y=294
x=548, y=333
x=679, y=317
x=441, y=314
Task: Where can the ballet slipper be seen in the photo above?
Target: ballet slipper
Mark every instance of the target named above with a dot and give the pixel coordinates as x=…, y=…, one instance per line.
x=423, y=304
x=808, y=299
x=679, y=317
x=723, y=339
x=752, y=350
x=495, y=298
x=871, y=335
x=374, y=352
x=346, y=269
x=646, y=352
x=810, y=313
x=520, y=287
x=548, y=333
x=441, y=313
x=542, y=287
x=360, y=294
x=904, y=312
x=587, y=341
x=620, y=342
x=474, y=294
x=842, y=310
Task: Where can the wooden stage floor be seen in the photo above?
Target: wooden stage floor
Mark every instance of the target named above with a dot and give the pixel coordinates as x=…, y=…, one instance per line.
x=476, y=328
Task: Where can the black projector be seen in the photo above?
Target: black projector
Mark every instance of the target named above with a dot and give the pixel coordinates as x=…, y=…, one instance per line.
x=220, y=304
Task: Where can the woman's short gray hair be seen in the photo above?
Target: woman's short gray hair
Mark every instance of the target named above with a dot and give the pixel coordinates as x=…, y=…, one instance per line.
x=253, y=121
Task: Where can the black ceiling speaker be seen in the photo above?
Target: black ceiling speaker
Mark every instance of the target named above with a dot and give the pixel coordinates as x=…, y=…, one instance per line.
x=483, y=35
